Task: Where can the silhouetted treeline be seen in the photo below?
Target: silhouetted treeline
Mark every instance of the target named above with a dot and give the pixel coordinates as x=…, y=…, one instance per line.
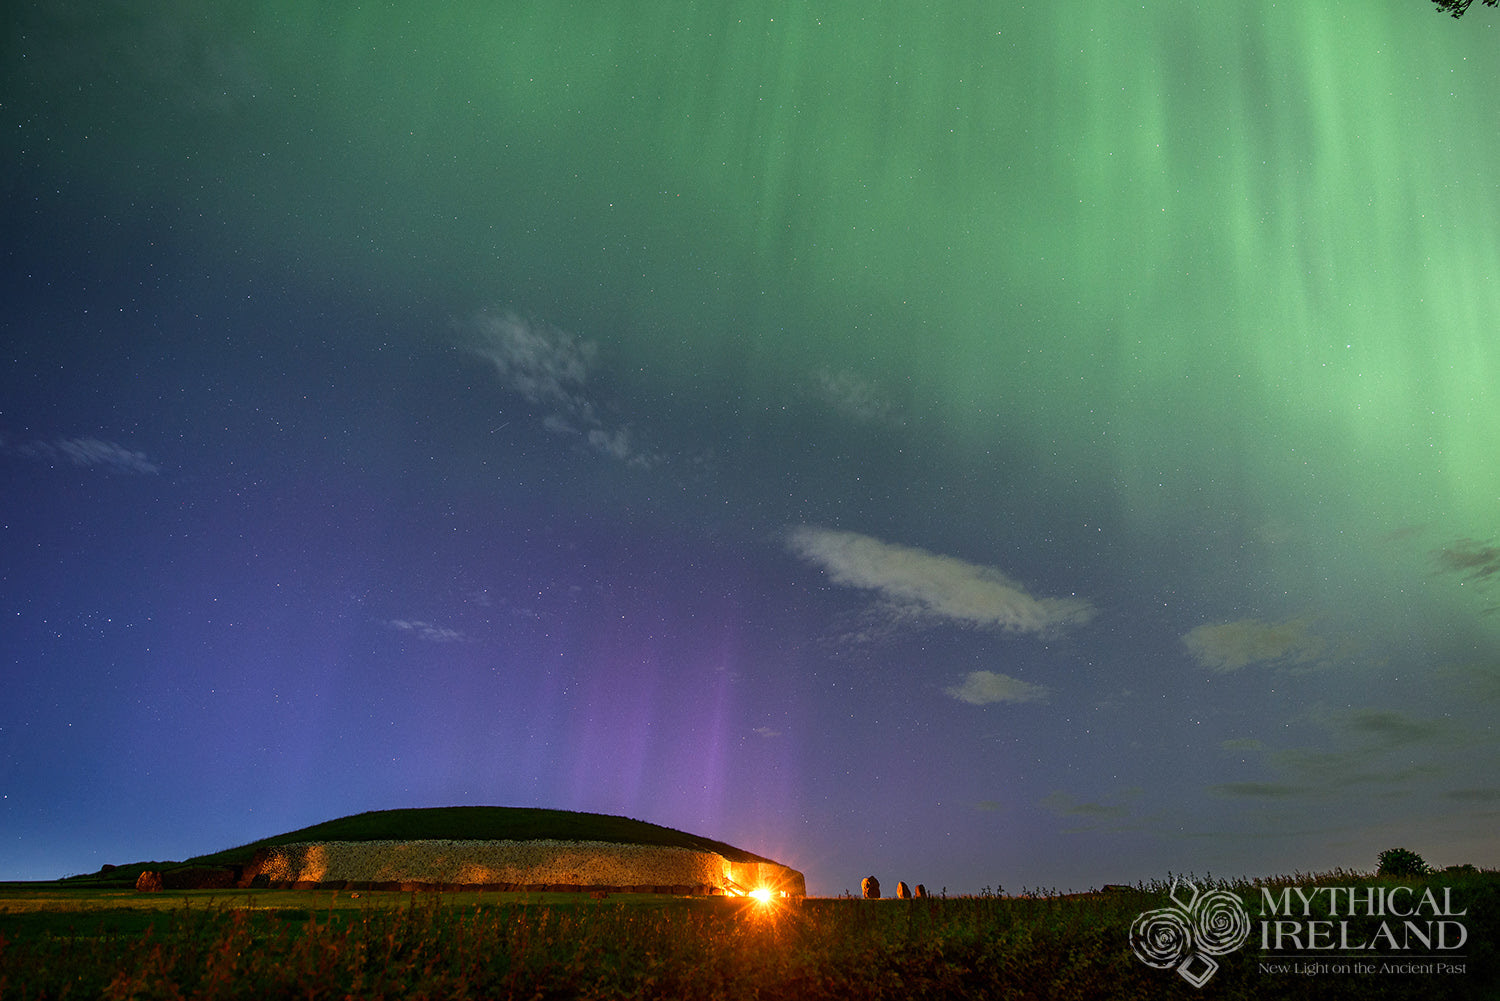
x=1457, y=7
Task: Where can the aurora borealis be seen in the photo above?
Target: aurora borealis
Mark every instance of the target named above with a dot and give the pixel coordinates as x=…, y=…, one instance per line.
x=967, y=443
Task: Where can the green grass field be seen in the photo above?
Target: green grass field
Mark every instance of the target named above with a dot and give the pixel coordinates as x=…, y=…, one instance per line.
x=71, y=941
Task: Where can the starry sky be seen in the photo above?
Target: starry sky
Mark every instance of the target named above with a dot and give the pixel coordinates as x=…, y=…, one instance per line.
x=969, y=443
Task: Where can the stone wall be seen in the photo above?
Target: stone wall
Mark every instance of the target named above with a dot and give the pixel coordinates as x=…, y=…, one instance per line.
x=572, y=865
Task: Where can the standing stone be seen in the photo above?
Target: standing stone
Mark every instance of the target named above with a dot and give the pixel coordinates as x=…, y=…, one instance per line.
x=870, y=887
x=148, y=881
x=921, y=892
x=903, y=891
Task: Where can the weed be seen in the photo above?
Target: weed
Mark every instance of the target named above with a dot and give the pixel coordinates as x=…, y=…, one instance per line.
x=1041, y=944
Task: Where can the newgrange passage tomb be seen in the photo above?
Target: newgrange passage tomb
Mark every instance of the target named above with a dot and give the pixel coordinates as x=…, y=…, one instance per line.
x=486, y=847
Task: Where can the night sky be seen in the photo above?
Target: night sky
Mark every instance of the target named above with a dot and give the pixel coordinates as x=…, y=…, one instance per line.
x=959, y=442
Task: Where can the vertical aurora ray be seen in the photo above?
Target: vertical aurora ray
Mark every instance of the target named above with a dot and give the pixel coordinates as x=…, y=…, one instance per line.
x=1129, y=211
x=1185, y=311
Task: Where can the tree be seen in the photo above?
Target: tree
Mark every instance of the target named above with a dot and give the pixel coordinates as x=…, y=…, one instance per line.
x=1457, y=7
x=1401, y=862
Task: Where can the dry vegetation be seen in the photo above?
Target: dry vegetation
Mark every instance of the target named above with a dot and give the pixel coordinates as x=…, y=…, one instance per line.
x=496, y=946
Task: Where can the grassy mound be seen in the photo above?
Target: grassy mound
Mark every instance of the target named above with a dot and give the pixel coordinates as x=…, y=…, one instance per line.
x=484, y=823
x=451, y=823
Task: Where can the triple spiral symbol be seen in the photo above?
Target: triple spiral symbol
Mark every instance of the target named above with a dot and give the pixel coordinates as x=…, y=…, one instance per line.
x=1161, y=938
x=1220, y=924
x=1207, y=924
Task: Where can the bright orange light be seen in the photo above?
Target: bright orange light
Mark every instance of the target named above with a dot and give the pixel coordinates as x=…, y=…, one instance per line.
x=762, y=895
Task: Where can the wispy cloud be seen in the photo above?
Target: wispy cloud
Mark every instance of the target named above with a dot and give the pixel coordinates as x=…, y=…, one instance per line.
x=620, y=444
x=200, y=64
x=927, y=585
x=551, y=368
x=1319, y=770
x=857, y=398
x=1230, y=646
x=426, y=630
x=1113, y=701
x=982, y=688
x=1093, y=816
x=1476, y=561
x=1383, y=729
x=1358, y=753
x=539, y=361
x=1475, y=683
x=86, y=452
x=767, y=732
x=1256, y=790
x=1065, y=805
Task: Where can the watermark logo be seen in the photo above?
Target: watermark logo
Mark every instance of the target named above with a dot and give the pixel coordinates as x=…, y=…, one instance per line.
x=1307, y=930
x=1189, y=934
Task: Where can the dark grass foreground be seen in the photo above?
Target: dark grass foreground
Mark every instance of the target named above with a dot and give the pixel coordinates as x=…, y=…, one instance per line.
x=986, y=947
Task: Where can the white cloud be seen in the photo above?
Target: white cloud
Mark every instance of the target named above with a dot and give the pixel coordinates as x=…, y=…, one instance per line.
x=767, y=732
x=982, y=688
x=1232, y=645
x=929, y=585
x=426, y=630
x=551, y=368
x=117, y=458
x=89, y=452
x=856, y=397
x=617, y=444
x=542, y=363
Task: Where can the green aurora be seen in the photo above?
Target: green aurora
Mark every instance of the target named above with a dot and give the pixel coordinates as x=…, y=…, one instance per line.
x=1185, y=307
x=1096, y=227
